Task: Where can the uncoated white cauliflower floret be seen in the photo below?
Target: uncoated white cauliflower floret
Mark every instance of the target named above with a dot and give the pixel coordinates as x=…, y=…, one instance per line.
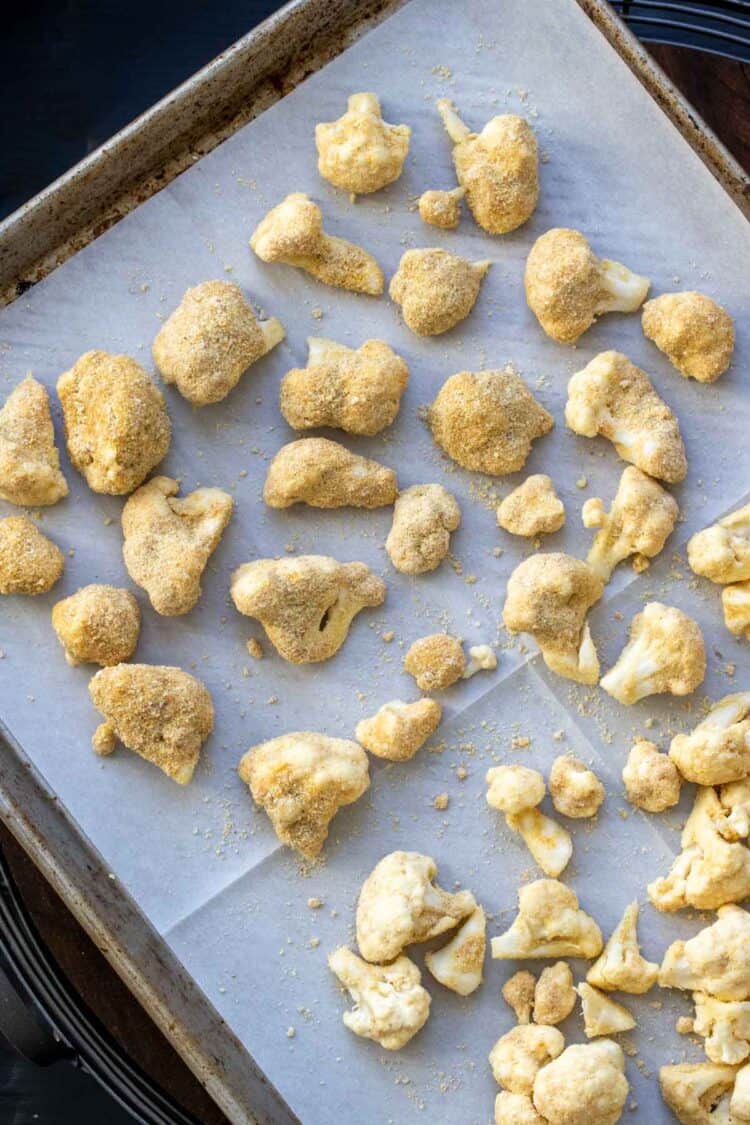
x=601, y=1014
x=534, y=508
x=621, y=966
x=698, y=1093
x=554, y=995
x=549, y=923
x=459, y=964
x=549, y=843
x=518, y=994
x=481, y=659
x=718, y=749
x=423, y=518
x=715, y=961
x=576, y=791
x=516, y=1109
x=360, y=152
x=518, y=1055
x=652, y=780
x=399, y=729
x=29, y=461
x=325, y=474
x=436, y=289
x=725, y=1027
x=721, y=552
x=665, y=653
x=735, y=602
x=639, y=522
x=511, y=789
x=585, y=1085
x=734, y=823
x=695, y=333
x=441, y=208
x=390, y=1004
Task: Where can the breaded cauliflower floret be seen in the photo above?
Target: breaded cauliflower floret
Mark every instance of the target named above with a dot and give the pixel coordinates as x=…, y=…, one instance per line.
x=116, y=421
x=29, y=462
x=665, y=653
x=356, y=390
x=390, y=1005
x=621, y=966
x=499, y=168
x=325, y=474
x=97, y=625
x=532, y=509
x=568, y=287
x=360, y=152
x=292, y=232
x=652, y=781
x=305, y=604
x=486, y=421
x=718, y=749
x=399, y=904
x=435, y=662
x=715, y=961
x=423, y=518
x=399, y=729
x=725, y=1027
x=721, y=552
x=512, y=789
x=441, y=208
x=518, y=1056
x=735, y=602
x=30, y=563
x=436, y=289
x=302, y=779
x=161, y=713
x=586, y=1085
x=548, y=596
x=459, y=965
x=549, y=843
x=612, y=397
x=639, y=522
x=516, y=1109
x=698, y=1093
x=549, y=923
x=576, y=791
x=733, y=822
x=601, y=1014
x=554, y=995
x=694, y=332
x=168, y=540
x=518, y=994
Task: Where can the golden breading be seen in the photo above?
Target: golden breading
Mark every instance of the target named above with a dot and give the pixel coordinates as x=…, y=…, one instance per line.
x=324, y=474
x=210, y=340
x=652, y=780
x=116, y=421
x=554, y=994
x=534, y=508
x=305, y=604
x=576, y=791
x=694, y=332
x=518, y=994
x=441, y=208
x=435, y=662
x=486, y=421
x=639, y=522
x=292, y=232
x=29, y=462
x=354, y=390
x=360, y=152
x=399, y=729
x=665, y=653
x=161, y=713
x=97, y=625
x=30, y=563
x=436, y=289
x=423, y=518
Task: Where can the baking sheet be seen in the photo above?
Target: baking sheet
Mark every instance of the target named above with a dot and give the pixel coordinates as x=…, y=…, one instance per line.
x=203, y=863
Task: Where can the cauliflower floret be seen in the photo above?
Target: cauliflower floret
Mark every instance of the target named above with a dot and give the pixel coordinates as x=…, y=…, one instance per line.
x=168, y=540
x=532, y=509
x=601, y=1014
x=499, y=168
x=568, y=287
x=652, y=780
x=423, y=518
x=486, y=421
x=210, y=340
x=585, y=1085
x=399, y=729
x=459, y=964
x=356, y=390
x=735, y=602
x=549, y=843
x=639, y=522
x=97, y=625
x=516, y=1109
x=665, y=653
x=621, y=966
x=722, y=552
x=512, y=789
x=161, y=713
x=695, y=333
x=390, y=1005
x=399, y=904
x=549, y=923
x=518, y=1056
x=360, y=152
x=612, y=397
x=292, y=232
x=739, y=1105
x=436, y=289
x=481, y=659
x=116, y=421
x=725, y=1026
x=302, y=779
x=554, y=995
x=324, y=474
x=435, y=662
x=518, y=994
x=576, y=791
x=548, y=596
x=441, y=208
x=30, y=563
x=29, y=462
x=734, y=821
x=698, y=1093
x=715, y=961
x=718, y=749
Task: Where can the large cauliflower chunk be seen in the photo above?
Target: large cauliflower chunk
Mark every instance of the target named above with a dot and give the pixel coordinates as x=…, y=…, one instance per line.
x=576, y=791
x=512, y=789
x=665, y=653
x=612, y=397
x=435, y=662
x=725, y=1027
x=423, y=518
x=436, y=289
x=399, y=729
x=30, y=563
x=302, y=780
x=652, y=780
x=498, y=168
x=292, y=232
x=735, y=602
x=357, y=390
x=548, y=596
x=695, y=333
x=554, y=995
x=441, y=208
x=519, y=1055
x=360, y=152
x=29, y=462
x=722, y=552
x=549, y=923
x=532, y=509
x=715, y=961
x=459, y=964
x=516, y=1109
x=486, y=421
x=324, y=474
x=639, y=522
x=97, y=625
x=161, y=713
x=601, y=1014
x=621, y=966
x=390, y=1005
x=168, y=540
x=399, y=904
x=568, y=287
x=586, y=1085
x=718, y=749
x=116, y=421
x=698, y=1093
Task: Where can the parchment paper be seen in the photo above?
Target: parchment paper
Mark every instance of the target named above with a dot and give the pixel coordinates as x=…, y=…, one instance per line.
x=204, y=864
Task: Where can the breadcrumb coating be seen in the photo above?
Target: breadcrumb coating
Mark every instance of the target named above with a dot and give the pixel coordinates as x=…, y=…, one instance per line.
x=390, y=1004
x=519, y=1055
x=97, y=625
x=516, y=1109
x=518, y=994
x=554, y=994
x=435, y=661
x=436, y=289
x=534, y=508
x=423, y=518
x=694, y=332
x=665, y=653
x=652, y=780
x=30, y=563
x=441, y=208
x=324, y=474
x=576, y=791
x=397, y=730
x=586, y=1084
x=360, y=153
x=717, y=750
x=639, y=522
x=721, y=552
x=29, y=461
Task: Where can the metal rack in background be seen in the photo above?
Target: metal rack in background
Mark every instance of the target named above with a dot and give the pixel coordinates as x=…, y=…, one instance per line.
x=721, y=27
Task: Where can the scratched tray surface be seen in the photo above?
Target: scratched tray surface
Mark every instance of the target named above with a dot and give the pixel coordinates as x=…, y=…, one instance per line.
x=202, y=863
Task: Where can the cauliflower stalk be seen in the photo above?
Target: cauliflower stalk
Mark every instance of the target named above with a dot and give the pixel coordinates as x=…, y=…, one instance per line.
x=459, y=964
x=639, y=522
x=621, y=966
x=423, y=518
x=716, y=961
x=324, y=474
x=549, y=923
x=717, y=751
x=585, y=1084
x=29, y=461
x=549, y=843
x=652, y=780
x=601, y=1014
x=665, y=653
x=399, y=729
x=721, y=552
x=435, y=289
x=390, y=1004
x=360, y=153
x=519, y=1055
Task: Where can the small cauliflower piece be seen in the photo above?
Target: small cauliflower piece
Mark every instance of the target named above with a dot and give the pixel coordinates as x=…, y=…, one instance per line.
x=568, y=287
x=516, y=1109
x=435, y=289
x=735, y=602
x=601, y=1014
x=621, y=966
x=359, y=152
x=721, y=552
x=302, y=779
x=549, y=843
x=612, y=397
x=586, y=1085
x=715, y=961
x=519, y=1055
x=548, y=596
x=324, y=474
x=161, y=713
x=390, y=1004
x=30, y=563
x=459, y=964
x=734, y=821
x=554, y=995
x=694, y=332
x=435, y=661
x=698, y=1093
x=97, y=625
x=292, y=232
x=481, y=659
x=423, y=518
x=29, y=461
x=356, y=390
x=639, y=522
x=549, y=923
x=652, y=780
x=441, y=208
x=518, y=994
x=116, y=421
x=739, y=1104
x=718, y=749
x=513, y=789
x=486, y=421
x=399, y=904
x=398, y=729
x=305, y=604
x=665, y=653
x=725, y=1027
x=576, y=791
x=532, y=509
